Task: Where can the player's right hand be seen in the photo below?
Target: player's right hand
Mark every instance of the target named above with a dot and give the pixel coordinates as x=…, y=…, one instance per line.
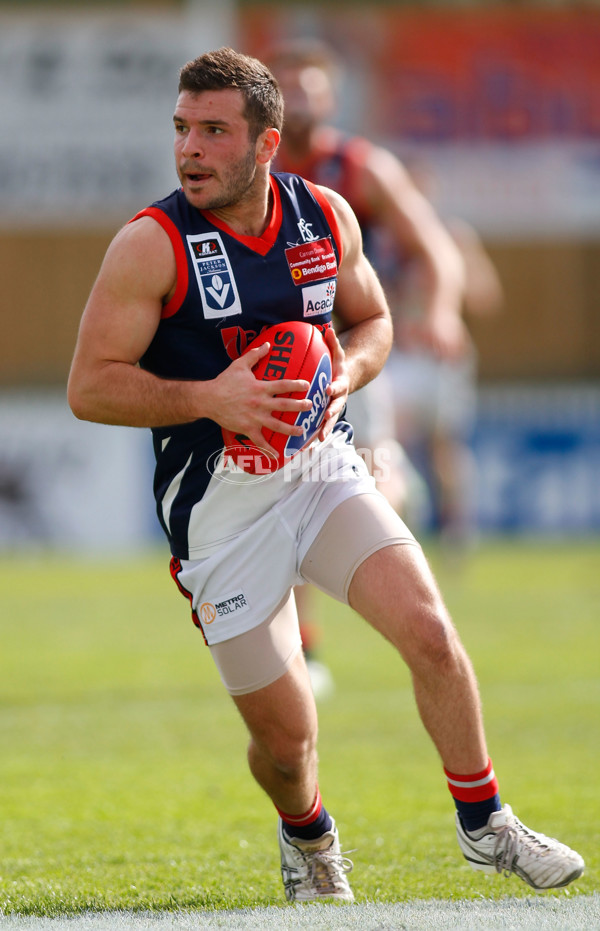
x=245, y=404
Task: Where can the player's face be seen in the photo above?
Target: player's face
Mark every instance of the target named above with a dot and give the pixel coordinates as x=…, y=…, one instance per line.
x=215, y=159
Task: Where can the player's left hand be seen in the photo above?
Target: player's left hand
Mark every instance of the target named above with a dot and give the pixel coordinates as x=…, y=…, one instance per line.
x=340, y=383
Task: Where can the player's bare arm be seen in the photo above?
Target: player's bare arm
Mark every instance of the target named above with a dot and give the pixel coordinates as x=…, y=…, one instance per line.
x=106, y=384
x=364, y=324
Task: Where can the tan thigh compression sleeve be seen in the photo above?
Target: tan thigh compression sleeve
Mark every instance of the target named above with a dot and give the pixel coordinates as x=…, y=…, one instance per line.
x=260, y=656
x=358, y=527
x=355, y=529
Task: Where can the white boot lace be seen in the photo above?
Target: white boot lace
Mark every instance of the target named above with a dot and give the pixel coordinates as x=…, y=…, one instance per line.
x=508, y=840
x=327, y=870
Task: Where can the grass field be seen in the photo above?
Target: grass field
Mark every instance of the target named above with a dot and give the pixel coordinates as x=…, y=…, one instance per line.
x=122, y=761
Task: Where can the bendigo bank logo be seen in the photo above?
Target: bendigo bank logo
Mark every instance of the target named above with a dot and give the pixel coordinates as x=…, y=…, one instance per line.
x=313, y=261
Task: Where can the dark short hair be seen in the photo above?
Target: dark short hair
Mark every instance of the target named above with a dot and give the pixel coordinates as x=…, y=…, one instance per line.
x=224, y=69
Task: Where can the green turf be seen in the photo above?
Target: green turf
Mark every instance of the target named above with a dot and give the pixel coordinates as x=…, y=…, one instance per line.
x=122, y=761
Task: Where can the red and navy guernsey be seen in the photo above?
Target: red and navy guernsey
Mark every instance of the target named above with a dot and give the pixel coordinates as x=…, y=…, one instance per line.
x=229, y=288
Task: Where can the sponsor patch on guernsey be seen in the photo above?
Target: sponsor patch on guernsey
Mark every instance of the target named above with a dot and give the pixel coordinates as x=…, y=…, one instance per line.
x=214, y=275
x=318, y=299
x=312, y=261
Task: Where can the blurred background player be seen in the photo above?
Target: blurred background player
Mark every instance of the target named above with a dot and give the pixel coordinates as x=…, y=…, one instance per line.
x=400, y=231
x=435, y=395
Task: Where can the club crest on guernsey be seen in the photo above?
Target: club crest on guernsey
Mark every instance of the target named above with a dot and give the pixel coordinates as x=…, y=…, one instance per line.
x=311, y=420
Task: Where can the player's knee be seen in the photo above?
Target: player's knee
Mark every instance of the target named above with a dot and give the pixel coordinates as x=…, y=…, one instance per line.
x=289, y=752
x=433, y=643
x=295, y=758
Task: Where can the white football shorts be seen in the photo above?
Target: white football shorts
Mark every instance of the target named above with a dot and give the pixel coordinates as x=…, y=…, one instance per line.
x=248, y=579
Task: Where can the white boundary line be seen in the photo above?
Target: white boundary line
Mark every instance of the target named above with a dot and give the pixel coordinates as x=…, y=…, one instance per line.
x=544, y=913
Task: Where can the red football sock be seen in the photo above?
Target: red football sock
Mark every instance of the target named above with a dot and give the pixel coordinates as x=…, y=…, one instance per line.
x=310, y=824
x=475, y=796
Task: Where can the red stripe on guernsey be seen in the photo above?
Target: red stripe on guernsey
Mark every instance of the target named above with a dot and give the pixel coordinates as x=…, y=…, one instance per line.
x=329, y=215
x=307, y=818
x=261, y=244
x=175, y=567
x=173, y=305
x=474, y=788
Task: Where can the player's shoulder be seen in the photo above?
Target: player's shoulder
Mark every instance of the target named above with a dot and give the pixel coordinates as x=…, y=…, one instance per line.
x=146, y=232
x=345, y=217
x=336, y=201
x=137, y=246
x=141, y=249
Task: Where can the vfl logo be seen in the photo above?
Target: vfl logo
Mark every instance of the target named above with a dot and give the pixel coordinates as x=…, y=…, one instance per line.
x=214, y=276
x=305, y=230
x=219, y=290
x=310, y=421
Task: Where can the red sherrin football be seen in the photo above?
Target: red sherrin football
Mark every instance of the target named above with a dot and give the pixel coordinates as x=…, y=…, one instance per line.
x=297, y=350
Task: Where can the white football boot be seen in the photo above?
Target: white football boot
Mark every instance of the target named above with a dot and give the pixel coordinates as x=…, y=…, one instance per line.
x=506, y=846
x=314, y=869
